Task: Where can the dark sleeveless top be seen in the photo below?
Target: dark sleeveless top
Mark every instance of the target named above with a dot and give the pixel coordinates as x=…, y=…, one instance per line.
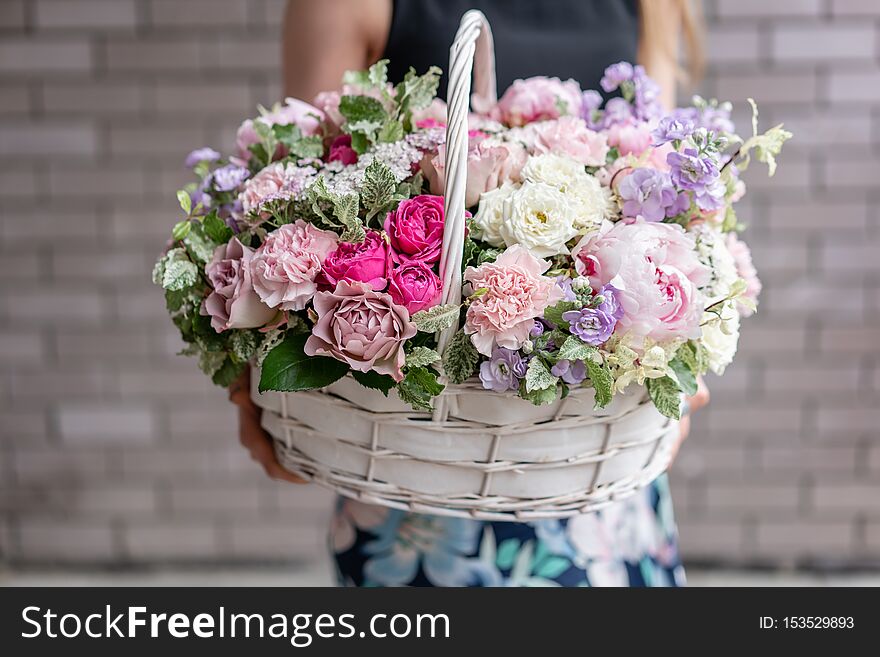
x=562, y=38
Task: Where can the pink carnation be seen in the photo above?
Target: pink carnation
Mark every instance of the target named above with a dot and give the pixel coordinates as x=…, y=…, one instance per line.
x=361, y=327
x=491, y=162
x=569, y=135
x=516, y=294
x=367, y=262
x=294, y=112
x=285, y=266
x=233, y=303
x=415, y=229
x=742, y=257
x=655, y=268
x=415, y=286
x=537, y=99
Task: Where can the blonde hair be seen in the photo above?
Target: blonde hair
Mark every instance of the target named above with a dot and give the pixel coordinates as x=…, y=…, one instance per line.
x=660, y=24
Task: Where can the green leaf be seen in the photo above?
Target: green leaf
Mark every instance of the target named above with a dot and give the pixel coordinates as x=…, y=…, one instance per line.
x=185, y=201
x=210, y=362
x=159, y=270
x=553, y=314
x=417, y=91
x=538, y=377
x=603, y=382
x=243, y=343
x=460, y=358
x=419, y=387
x=198, y=245
x=381, y=382
x=216, y=229
x=346, y=209
x=287, y=368
x=575, y=349
x=377, y=74
x=271, y=339
x=390, y=132
x=378, y=187
x=181, y=229
x=666, y=396
x=364, y=115
x=228, y=372
x=179, y=274
x=687, y=380
x=437, y=318
x=538, y=397
x=421, y=356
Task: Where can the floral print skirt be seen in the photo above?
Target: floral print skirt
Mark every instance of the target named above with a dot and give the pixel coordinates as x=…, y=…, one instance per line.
x=630, y=543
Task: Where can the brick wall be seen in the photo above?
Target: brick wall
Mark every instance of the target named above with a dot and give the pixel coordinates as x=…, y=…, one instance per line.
x=114, y=450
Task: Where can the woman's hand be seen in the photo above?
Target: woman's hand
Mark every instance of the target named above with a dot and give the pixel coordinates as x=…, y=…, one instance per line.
x=693, y=403
x=251, y=434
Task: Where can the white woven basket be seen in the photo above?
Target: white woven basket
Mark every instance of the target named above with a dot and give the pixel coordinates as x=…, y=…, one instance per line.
x=480, y=454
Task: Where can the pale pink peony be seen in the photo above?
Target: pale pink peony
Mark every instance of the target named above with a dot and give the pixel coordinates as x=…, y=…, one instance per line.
x=537, y=99
x=517, y=294
x=655, y=268
x=742, y=257
x=630, y=138
x=285, y=266
x=491, y=162
x=569, y=135
x=233, y=303
x=307, y=117
x=361, y=327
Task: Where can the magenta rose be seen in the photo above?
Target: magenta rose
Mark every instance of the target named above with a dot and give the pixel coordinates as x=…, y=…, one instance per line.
x=341, y=150
x=415, y=229
x=361, y=327
x=415, y=286
x=366, y=261
x=233, y=303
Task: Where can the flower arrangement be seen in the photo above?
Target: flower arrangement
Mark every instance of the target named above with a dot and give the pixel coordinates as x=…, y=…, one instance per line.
x=601, y=246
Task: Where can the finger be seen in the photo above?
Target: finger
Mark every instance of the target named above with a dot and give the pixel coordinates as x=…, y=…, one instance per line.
x=277, y=472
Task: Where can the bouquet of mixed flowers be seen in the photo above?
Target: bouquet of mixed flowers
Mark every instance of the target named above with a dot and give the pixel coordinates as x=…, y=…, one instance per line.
x=601, y=246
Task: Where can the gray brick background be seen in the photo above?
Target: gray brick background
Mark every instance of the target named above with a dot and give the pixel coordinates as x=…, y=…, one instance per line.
x=115, y=451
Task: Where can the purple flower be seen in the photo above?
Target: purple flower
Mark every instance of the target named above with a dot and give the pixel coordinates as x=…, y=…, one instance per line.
x=570, y=372
x=617, y=110
x=201, y=155
x=503, y=370
x=692, y=170
x=595, y=325
x=649, y=193
x=537, y=329
x=671, y=128
x=591, y=100
x=229, y=177
x=712, y=117
x=615, y=75
x=568, y=294
x=646, y=95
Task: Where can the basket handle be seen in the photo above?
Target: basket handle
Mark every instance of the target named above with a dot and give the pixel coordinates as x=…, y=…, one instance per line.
x=472, y=51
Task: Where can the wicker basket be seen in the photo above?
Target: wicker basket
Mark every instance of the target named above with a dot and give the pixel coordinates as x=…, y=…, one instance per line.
x=480, y=454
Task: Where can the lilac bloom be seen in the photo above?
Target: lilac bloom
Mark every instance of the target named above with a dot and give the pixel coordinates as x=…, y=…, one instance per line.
x=648, y=193
x=201, y=155
x=568, y=294
x=570, y=372
x=646, y=95
x=229, y=177
x=537, y=329
x=503, y=370
x=615, y=75
x=714, y=118
x=671, y=128
x=692, y=170
x=595, y=325
x=617, y=110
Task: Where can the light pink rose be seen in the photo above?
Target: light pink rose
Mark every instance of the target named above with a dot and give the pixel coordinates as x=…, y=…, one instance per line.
x=285, y=266
x=361, y=327
x=742, y=256
x=491, y=162
x=655, y=268
x=279, y=180
x=569, y=135
x=630, y=138
x=517, y=294
x=233, y=303
x=294, y=112
x=537, y=99
x=415, y=286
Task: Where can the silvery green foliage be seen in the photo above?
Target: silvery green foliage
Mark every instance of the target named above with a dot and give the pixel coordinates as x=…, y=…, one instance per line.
x=437, y=318
x=244, y=344
x=271, y=339
x=421, y=356
x=175, y=271
x=460, y=358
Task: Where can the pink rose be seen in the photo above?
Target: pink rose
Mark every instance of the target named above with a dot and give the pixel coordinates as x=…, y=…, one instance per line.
x=415, y=229
x=491, y=162
x=233, y=303
x=294, y=112
x=517, y=294
x=361, y=327
x=537, y=99
x=341, y=150
x=432, y=116
x=630, y=138
x=569, y=135
x=655, y=268
x=367, y=262
x=286, y=265
x=415, y=286
x=742, y=257
x=276, y=181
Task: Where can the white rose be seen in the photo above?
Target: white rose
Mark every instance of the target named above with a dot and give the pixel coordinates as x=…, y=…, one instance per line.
x=720, y=337
x=590, y=201
x=490, y=213
x=539, y=217
x=713, y=252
